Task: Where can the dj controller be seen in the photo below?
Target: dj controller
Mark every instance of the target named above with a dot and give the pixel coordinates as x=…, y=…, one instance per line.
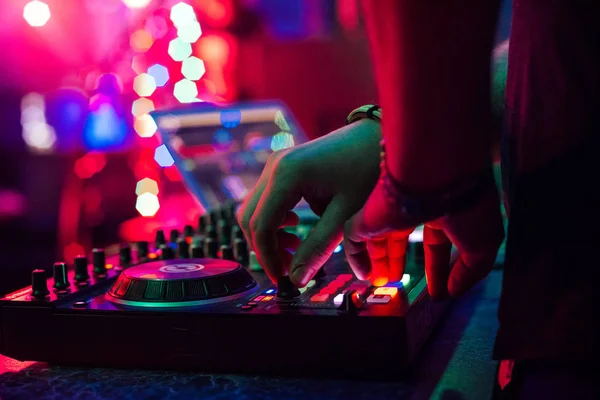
x=196, y=299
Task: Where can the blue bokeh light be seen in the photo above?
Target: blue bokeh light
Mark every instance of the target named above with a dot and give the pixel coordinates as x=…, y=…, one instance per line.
x=231, y=118
x=163, y=157
x=160, y=73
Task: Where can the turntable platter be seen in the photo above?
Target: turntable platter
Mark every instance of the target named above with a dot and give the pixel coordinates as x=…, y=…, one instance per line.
x=181, y=283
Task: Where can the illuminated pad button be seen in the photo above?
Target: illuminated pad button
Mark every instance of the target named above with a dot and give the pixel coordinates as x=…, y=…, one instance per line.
x=379, y=299
x=328, y=290
x=344, y=277
x=319, y=298
x=311, y=283
x=336, y=284
x=389, y=291
x=339, y=299
x=259, y=298
x=267, y=298
x=246, y=308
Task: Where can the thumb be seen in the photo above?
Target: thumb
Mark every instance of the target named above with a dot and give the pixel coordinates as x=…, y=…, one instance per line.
x=320, y=243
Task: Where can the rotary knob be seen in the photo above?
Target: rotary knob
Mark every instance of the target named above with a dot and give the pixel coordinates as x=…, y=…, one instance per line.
x=211, y=247
x=81, y=270
x=197, y=249
x=99, y=262
x=125, y=255
x=240, y=252
x=227, y=252
x=173, y=235
x=39, y=285
x=159, y=238
x=183, y=248
x=142, y=250
x=59, y=273
x=188, y=231
x=166, y=253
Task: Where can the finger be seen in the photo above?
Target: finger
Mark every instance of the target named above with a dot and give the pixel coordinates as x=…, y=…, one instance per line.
x=355, y=247
x=278, y=198
x=319, y=243
x=378, y=253
x=290, y=219
x=288, y=241
x=397, y=245
x=437, y=248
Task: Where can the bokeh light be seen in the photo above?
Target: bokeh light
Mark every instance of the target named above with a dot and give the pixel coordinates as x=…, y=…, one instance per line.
x=190, y=32
x=142, y=106
x=179, y=50
x=160, y=73
x=163, y=157
x=144, y=85
x=37, y=13
x=138, y=64
x=230, y=118
x=146, y=185
x=39, y=135
x=282, y=140
x=145, y=126
x=182, y=14
x=193, y=68
x=141, y=41
x=136, y=3
x=90, y=164
x=147, y=204
x=156, y=26
x=221, y=140
x=185, y=91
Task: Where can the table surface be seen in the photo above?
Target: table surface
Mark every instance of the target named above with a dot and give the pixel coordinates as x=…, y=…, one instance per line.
x=455, y=364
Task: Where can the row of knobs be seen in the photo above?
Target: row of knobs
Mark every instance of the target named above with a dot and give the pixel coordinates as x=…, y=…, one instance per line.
x=39, y=285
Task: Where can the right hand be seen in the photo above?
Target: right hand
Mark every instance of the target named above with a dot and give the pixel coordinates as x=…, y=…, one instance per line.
x=335, y=175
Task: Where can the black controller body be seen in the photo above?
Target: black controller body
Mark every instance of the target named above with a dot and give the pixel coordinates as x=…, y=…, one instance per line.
x=317, y=333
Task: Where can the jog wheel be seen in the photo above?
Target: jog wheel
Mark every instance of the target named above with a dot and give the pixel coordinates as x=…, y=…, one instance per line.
x=181, y=283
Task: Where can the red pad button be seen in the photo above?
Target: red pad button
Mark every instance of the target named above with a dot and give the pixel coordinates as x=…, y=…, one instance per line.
x=319, y=298
x=336, y=284
x=344, y=277
x=328, y=290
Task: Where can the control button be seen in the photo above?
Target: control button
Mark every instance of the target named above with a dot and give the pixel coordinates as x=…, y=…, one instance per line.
x=81, y=269
x=188, y=231
x=125, y=254
x=183, y=248
x=252, y=303
x=319, y=298
x=286, y=290
x=246, y=307
x=328, y=290
x=80, y=304
x=259, y=298
x=311, y=283
x=336, y=284
x=173, y=235
x=379, y=299
x=338, y=299
x=99, y=262
x=159, y=238
x=386, y=291
x=142, y=250
x=59, y=273
x=39, y=285
x=351, y=302
x=344, y=277
x=166, y=252
x=211, y=247
x=267, y=298
x=227, y=252
x=240, y=251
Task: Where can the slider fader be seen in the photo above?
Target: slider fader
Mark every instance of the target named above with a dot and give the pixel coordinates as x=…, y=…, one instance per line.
x=194, y=300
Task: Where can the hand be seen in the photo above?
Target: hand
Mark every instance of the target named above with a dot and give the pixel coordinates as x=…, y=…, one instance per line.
x=335, y=174
x=377, y=236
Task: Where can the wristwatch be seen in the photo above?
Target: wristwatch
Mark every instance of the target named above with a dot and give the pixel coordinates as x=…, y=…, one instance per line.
x=452, y=199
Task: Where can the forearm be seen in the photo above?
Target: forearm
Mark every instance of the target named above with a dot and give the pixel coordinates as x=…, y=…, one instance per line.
x=432, y=64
